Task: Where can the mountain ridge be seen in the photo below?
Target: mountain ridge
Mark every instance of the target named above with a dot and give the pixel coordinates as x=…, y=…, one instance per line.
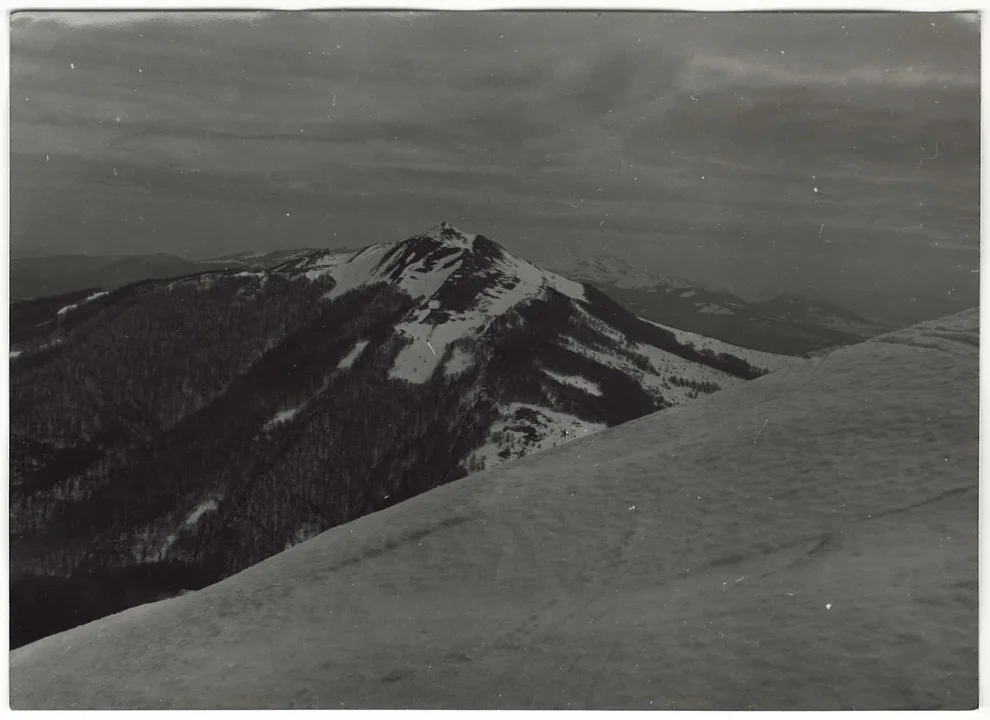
x=787, y=324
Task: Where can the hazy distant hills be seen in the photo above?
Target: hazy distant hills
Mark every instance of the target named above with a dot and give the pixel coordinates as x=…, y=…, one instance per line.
x=788, y=324
x=37, y=277
x=47, y=275
x=168, y=433
x=805, y=541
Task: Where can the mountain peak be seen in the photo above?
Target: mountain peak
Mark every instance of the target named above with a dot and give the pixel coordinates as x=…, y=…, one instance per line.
x=460, y=283
x=447, y=234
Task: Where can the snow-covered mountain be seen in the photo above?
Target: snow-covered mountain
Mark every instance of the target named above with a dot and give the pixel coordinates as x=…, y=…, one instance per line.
x=466, y=289
x=262, y=406
x=461, y=282
x=788, y=324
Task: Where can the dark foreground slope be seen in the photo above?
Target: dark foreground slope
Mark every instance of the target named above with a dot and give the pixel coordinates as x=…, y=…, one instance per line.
x=804, y=541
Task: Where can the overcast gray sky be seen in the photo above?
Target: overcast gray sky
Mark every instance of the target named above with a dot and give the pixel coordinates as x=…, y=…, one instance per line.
x=831, y=154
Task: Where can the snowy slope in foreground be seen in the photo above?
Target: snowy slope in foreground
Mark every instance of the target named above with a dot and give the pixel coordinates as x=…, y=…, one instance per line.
x=804, y=541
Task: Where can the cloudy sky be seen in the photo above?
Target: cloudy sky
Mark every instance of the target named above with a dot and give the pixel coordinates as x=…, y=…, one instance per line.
x=831, y=154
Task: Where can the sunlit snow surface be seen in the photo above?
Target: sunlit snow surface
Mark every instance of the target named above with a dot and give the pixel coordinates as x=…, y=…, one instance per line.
x=208, y=505
x=575, y=381
x=69, y=308
x=348, y=360
x=282, y=416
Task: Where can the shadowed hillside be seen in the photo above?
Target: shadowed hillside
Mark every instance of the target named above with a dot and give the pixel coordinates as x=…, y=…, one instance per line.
x=804, y=541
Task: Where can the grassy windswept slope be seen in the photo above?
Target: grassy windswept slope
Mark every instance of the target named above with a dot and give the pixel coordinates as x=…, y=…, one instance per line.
x=804, y=541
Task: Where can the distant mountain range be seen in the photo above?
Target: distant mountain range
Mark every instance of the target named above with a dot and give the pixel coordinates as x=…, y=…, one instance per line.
x=47, y=275
x=788, y=324
x=171, y=432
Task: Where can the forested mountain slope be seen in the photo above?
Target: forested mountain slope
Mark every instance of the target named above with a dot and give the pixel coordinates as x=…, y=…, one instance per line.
x=169, y=433
x=805, y=541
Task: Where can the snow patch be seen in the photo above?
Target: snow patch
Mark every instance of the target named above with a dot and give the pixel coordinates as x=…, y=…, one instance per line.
x=69, y=308
x=348, y=269
x=353, y=355
x=209, y=505
x=15, y=353
x=570, y=288
x=198, y=512
x=281, y=417
x=460, y=360
x=712, y=309
x=575, y=381
x=417, y=361
x=420, y=282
